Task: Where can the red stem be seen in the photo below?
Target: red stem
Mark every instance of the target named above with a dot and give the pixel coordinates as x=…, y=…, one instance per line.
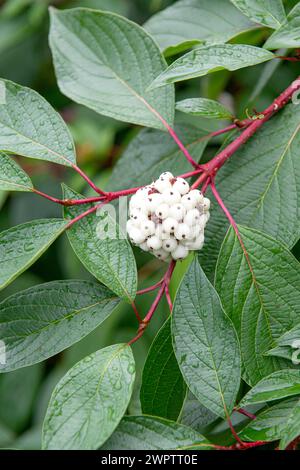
x=84, y=214
x=136, y=312
x=168, y=297
x=232, y=223
x=244, y=412
x=87, y=179
x=165, y=282
x=233, y=431
x=219, y=132
x=172, y=134
x=211, y=168
x=191, y=173
x=150, y=289
x=68, y=202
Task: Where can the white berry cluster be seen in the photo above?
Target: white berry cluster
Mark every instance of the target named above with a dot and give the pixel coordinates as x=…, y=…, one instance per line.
x=167, y=218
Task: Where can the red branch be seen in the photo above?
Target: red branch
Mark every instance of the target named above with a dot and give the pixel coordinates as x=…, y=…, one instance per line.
x=211, y=168
x=244, y=412
x=164, y=286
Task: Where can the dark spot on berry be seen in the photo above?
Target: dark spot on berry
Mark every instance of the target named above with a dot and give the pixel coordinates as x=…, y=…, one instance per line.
x=183, y=236
x=168, y=246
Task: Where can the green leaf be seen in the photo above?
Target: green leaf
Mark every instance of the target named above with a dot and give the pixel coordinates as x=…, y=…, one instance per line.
x=288, y=35
x=272, y=423
x=189, y=22
x=207, y=59
x=151, y=433
x=267, y=12
x=29, y=126
x=90, y=400
x=22, y=245
x=261, y=294
x=280, y=384
x=42, y=321
x=109, y=259
x=287, y=345
x=260, y=186
x=204, y=107
x=205, y=343
x=12, y=177
x=163, y=389
x=196, y=415
x=292, y=429
x=152, y=152
x=18, y=391
x=107, y=62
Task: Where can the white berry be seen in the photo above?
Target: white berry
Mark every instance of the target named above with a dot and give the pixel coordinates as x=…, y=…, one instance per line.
x=188, y=202
x=162, y=211
x=161, y=254
x=181, y=186
x=147, y=227
x=180, y=252
x=170, y=244
x=192, y=217
x=154, y=243
x=167, y=218
x=177, y=211
x=162, y=185
x=169, y=225
x=171, y=196
x=182, y=232
x=197, y=244
x=136, y=236
x=166, y=175
x=206, y=204
x=153, y=201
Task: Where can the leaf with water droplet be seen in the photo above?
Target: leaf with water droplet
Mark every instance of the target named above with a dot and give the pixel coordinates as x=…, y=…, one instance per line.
x=207, y=59
x=190, y=22
x=266, y=12
x=279, y=384
x=36, y=130
x=288, y=35
x=13, y=177
x=205, y=337
x=79, y=35
x=36, y=336
x=260, y=292
x=153, y=433
x=94, y=404
x=22, y=245
x=275, y=422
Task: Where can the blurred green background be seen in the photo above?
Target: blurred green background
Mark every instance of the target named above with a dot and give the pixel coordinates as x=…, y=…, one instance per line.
x=25, y=58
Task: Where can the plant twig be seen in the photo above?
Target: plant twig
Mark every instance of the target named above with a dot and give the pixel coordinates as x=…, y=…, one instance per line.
x=244, y=412
x=172, y=134
x=165, y=282
x=87, y=179
x=68, y=202
x=211, y=168
x=84, y=214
